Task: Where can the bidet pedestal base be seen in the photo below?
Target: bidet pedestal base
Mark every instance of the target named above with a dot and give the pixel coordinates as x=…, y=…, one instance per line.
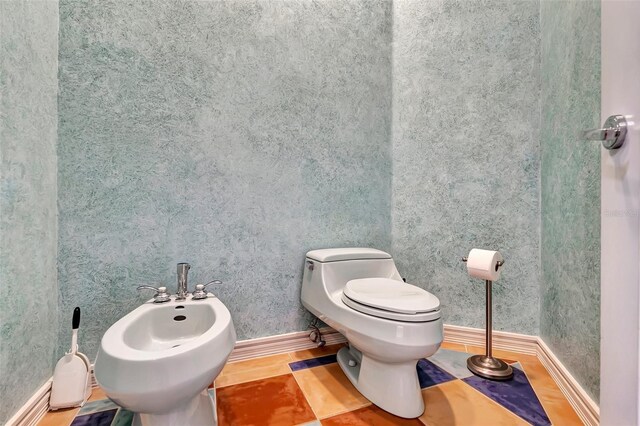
x=489, y=367
x=201, y=410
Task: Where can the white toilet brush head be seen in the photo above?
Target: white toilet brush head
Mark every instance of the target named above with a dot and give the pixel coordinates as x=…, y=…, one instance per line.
x=71, y=384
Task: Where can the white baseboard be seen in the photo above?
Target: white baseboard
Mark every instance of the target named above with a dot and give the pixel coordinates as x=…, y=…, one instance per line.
x=282, y=343
x=513, y=342
x=31, y=413
x=585, y=407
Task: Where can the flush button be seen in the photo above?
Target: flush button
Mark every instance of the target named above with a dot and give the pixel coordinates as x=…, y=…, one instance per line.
x=352, y=363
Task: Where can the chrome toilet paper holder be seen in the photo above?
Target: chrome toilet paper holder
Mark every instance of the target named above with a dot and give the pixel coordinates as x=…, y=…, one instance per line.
x=487, y=365
x=499, y=263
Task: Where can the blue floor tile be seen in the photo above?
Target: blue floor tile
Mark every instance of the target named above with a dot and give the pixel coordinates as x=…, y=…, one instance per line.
x=313, y=362
x=430, y=374
x=515, y=394
x=102, y=418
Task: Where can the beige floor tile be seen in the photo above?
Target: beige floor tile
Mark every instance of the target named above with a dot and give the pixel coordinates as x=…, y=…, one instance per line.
x=328, y=390
x=97, y=394
x=316, y=352
x=253, y=369
x=506, y=355
x=558, y=409
x=457, y=404
x=59, y=417
x=453, y=346
x=65, y=417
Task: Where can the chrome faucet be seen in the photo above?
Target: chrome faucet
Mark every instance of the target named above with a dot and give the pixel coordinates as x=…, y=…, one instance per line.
x=183, y=272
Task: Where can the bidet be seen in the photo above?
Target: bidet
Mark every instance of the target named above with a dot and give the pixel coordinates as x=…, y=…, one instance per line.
x=160, y=359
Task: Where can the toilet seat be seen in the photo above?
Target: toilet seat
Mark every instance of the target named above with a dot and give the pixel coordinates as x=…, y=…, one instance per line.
x=391, y=299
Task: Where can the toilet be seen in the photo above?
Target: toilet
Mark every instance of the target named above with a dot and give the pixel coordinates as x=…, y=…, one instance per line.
x=389, y=324
x=160, y=359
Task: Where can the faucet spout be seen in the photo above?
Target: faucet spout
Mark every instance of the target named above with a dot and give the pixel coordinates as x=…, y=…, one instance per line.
x=183, y=272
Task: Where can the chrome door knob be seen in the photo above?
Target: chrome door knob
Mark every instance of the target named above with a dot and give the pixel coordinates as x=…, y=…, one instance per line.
x=612, y=135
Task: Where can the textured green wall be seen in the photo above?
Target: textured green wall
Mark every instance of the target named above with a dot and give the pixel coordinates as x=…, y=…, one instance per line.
x=238, y=134
x=466, y=153
x=28, y=238
x=233, y=135
x=570, y=102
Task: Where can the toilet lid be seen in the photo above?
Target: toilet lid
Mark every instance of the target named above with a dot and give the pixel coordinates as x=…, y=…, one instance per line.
x=391, y=295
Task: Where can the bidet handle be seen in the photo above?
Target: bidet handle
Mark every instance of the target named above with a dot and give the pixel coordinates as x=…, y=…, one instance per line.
x=201, y=290
x=161, y=295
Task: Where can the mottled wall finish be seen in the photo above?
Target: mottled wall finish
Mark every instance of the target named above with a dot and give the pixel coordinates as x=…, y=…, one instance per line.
x=234, y=135
x=465, y=153
x=570, y=288
x=28, y=239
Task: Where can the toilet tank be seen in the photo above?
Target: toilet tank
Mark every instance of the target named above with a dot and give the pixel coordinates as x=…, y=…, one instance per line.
x=327, y=271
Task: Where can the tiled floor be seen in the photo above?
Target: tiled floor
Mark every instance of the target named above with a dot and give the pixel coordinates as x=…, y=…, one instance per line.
x=308, y=388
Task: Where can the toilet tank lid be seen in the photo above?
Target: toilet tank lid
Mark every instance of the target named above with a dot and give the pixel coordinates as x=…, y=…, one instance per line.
x=352, y=253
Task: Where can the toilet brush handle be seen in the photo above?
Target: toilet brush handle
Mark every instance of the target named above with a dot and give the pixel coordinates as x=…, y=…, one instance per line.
x=74, y=342
x=75, y=322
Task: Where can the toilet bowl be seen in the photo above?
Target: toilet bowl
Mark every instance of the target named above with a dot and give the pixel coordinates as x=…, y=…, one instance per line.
x=159, y=360
x=389, y=324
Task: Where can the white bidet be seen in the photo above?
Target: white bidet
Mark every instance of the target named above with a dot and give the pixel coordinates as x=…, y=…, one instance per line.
x=159, y=360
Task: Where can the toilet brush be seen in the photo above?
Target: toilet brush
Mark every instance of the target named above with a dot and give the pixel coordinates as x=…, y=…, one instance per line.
x=71, y=378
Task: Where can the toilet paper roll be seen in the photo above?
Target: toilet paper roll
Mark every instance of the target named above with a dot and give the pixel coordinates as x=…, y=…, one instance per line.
x=483, y=264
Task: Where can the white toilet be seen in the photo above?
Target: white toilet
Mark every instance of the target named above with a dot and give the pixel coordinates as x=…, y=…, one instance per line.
x=159, y=360
x=389, y=324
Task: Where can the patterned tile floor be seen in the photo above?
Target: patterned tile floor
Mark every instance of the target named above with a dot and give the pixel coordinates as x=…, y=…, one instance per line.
x=308, y=388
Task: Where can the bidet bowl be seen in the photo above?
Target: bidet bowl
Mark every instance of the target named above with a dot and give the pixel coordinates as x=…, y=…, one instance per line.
x=160, y=357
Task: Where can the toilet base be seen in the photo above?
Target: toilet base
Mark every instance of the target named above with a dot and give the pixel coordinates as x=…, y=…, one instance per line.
x=393, y=387
x=201, y=410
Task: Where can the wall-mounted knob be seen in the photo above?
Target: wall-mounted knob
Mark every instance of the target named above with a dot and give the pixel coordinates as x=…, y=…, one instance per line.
x=613, y=133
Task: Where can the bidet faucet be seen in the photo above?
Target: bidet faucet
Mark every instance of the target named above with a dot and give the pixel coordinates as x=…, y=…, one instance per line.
x=183, y=272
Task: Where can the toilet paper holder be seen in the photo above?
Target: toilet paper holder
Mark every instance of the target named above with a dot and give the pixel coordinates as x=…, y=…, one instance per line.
x=499, y=263
x=486, y=365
